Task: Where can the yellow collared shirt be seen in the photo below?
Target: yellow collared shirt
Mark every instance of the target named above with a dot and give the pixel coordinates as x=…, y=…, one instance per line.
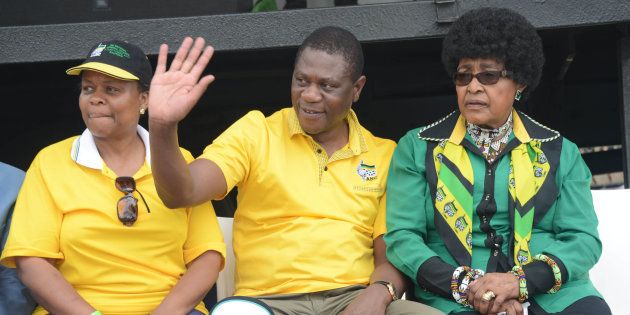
x=305, y=222
x=66, y=210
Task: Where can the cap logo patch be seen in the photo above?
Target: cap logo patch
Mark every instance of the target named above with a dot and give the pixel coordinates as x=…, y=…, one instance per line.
x=117, y=51
x=98, y=50
x=366, y=172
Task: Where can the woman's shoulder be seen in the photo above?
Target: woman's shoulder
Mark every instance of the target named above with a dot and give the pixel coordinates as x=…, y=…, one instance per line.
x=59, y=149
x=413, y=136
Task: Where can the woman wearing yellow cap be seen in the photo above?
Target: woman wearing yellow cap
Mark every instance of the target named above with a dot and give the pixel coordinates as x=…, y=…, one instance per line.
x=89, y=233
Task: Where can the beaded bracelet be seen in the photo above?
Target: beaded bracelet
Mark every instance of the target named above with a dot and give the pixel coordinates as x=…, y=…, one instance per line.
x=463, y=288
x=473, y=274
x=557, y=275
x=455, y=287
x=522, y=283
x=458, y=291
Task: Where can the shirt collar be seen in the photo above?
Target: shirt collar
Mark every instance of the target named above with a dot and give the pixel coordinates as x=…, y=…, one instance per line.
x=453, y=128
x=356, y=140
x=84, y=151
x=490, y=135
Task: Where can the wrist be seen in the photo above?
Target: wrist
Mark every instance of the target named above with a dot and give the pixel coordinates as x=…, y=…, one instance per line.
x=162, y=123
x=390, y=289
x=518, y=272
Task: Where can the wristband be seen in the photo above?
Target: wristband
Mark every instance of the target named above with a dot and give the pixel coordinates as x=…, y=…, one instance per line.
x=455, y=287
x=459, y=290
x=96, y=313
x=557, y=275
x=390, y=287
x=522, y=283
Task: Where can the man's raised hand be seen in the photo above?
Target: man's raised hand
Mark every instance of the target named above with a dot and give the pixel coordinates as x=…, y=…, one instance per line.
x=176, y=90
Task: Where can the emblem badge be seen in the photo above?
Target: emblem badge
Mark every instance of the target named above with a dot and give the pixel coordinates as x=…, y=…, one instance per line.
x=98, y=50
x=450, y=209
x=521, y=256
x=366, y=172
x=460, y=223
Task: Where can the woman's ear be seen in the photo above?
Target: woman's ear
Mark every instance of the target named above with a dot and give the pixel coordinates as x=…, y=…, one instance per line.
x=144, y=102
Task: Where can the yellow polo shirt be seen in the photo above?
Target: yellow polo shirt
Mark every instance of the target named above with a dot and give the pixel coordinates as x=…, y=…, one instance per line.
x=66, y=210
x=305, y=222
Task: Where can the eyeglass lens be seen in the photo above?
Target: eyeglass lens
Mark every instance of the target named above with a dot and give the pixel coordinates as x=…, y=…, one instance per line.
x=127, y=209
x=485, y=77
x=127, y=205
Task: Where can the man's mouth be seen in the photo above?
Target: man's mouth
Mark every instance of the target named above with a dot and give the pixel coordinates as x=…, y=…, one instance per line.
x=310, y=111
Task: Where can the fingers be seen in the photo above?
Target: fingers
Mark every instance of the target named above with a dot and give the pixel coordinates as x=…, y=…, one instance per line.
x=203, y=61
x=484, y=307
x=498, y=304
x=193, y=54
x=181, y=54
x=201, y=87
x=162, y=56
x=481, y=304
x=513, y=307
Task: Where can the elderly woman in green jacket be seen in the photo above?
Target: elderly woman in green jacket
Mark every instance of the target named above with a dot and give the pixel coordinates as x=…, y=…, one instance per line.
x=488, y=210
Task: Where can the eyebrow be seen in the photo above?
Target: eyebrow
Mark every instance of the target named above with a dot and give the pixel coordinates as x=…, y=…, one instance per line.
x=320, y=80
x=108, y=81
x=490, y=65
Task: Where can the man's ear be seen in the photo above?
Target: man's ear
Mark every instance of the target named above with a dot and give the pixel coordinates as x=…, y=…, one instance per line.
x=358, y=87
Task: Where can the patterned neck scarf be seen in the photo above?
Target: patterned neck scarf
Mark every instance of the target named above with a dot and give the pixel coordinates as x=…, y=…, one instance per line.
x=454, y=192
x=491, y=142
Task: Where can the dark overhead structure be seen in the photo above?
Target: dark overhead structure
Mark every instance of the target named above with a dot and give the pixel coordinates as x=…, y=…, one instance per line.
x=585, y=91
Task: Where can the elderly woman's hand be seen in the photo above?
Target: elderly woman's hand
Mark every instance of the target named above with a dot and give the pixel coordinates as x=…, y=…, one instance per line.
x=509, y=307
x=503, y=285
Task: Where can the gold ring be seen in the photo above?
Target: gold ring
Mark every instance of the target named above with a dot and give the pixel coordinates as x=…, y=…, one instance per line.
x=489, y=295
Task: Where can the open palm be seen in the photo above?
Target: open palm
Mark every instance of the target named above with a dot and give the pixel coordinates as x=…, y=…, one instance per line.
x=174, y=92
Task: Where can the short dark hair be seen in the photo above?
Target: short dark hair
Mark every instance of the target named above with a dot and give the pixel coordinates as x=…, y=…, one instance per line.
x=143, y=88
x=500, y=34
x=336, y=40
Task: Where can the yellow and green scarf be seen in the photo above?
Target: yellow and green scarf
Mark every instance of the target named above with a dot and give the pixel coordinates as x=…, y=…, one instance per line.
x=454, y=200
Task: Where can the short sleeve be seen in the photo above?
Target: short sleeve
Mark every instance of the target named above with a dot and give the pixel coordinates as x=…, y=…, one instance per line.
x=36, y=222
x=204, y=233
x=379, y=224
x=235, y=148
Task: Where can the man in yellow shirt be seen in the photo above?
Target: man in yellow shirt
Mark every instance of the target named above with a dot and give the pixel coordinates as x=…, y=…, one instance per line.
x=311, y=204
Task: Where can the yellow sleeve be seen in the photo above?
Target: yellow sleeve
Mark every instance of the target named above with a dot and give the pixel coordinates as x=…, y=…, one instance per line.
x=234, y=150
x=386, y=147
x=204, y=233
x=36, y=222
x=379, y=224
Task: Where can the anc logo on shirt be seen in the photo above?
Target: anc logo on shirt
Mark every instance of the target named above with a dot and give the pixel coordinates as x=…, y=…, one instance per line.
x=366, y=171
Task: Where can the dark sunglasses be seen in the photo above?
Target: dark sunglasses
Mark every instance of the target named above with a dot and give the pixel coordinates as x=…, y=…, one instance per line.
x=127, y=205
x=484, y=77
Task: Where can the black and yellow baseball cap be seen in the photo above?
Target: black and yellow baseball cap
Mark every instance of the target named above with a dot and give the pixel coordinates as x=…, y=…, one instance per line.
x=117, y=59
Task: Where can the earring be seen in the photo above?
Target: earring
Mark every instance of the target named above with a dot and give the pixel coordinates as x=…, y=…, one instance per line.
x=142, y=110
x=518, y=95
